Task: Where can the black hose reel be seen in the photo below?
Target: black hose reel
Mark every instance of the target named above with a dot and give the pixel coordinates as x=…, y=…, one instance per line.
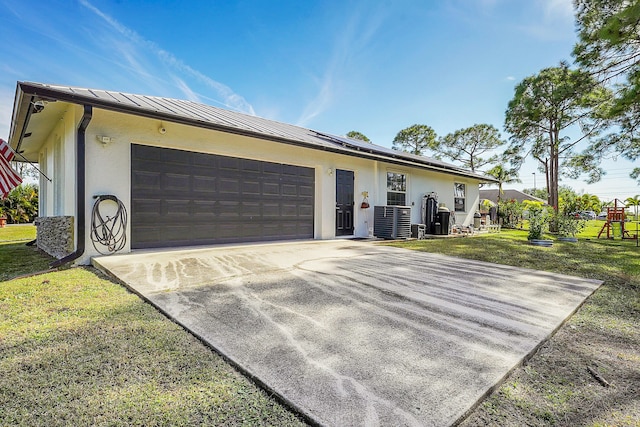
x=109, y=232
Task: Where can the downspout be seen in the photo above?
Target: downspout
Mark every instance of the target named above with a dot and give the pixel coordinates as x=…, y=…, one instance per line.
x=80, y=189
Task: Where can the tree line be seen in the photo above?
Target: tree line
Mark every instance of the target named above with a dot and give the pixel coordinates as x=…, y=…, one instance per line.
x=599, y=96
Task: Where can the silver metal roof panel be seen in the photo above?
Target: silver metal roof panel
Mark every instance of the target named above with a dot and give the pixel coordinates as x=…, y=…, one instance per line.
x=192, y=113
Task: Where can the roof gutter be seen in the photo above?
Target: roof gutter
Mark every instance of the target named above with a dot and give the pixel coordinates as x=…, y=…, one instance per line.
x=80, y=189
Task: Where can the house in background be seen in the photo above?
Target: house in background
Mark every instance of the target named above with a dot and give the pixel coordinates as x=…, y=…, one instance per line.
x=518, y=196
x=191, y=174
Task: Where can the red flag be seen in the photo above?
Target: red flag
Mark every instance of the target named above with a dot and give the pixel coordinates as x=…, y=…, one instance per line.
x=6, y=151
x=9, y=179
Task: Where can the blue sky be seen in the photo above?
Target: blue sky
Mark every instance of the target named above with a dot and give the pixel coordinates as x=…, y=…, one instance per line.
x=372, y=66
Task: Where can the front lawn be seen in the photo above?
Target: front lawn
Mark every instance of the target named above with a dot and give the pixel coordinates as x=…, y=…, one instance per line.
x=78, y=349
x=15, y=257
x=556, y=387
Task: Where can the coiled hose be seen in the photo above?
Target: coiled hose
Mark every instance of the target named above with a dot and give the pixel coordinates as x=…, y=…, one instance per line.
x=112, y=231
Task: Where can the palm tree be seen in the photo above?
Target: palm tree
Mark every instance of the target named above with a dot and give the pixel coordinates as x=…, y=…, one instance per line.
x=591, y=202
x=503, y=176
x=634, y=201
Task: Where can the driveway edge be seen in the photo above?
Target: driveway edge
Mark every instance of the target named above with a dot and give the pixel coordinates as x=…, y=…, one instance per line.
x=303, y=415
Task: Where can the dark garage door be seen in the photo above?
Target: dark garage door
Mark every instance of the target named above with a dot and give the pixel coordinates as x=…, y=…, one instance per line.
x=186, y=198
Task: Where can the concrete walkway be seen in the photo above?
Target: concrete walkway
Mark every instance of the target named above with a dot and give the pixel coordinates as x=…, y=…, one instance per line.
x=354, y=333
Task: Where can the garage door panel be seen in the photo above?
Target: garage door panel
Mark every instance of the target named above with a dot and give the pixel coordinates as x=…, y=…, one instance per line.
x=289, y=210
x=175, y=232
x=229, y=230
x=205, y=231
x=204, y=207
x=229, y=185
x=204, y=162
x=147, y=206
x=305, y=190
x=251, y=188
x=148, y=180
x=271, y=210
x=305, y=228
x=229, y=164
x=251, y=167
x=272, y=169
x=206, y=184
x=175, y=157
x=305, y=211
x=177, y=208
x=289, y=190
x=186, y=198
x=228, y=209
x=179, y=182
x=146, y=234
x=270, y=189
x=251, y=209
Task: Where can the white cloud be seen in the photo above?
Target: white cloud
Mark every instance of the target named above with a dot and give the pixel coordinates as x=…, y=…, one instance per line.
x=188, y=92
x=511, y=78
x=557, y=10
x=552, y=20
x=229, y=97
x=355, y=36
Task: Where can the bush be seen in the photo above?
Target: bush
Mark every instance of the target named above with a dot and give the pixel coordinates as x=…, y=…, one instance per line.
x=21, y=206
x=538, y=220
x=510, y=212
x=567, y=225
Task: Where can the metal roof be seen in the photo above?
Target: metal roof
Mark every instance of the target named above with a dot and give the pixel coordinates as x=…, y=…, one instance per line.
x=207, y=116
x=508, y=194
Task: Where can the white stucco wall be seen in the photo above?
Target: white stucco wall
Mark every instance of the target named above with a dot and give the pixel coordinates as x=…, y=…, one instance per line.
x=108, y=168
x=62, y=185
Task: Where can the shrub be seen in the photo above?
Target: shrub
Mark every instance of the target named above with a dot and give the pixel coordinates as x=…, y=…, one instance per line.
x=538, y=220
x=510, y=212
x=567, y=225
x=21, y=206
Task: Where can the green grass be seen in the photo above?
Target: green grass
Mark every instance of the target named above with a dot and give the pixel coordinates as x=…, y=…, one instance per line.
x=17, y=233
x=78, y=349
x=554, y=387
x=15, y=257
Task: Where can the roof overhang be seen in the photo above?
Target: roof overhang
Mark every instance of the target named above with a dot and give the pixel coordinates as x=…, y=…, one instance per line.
x=37, y=107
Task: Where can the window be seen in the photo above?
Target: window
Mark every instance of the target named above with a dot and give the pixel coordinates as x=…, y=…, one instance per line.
x=42, y=197
x=58, y=178
x=396, y=189
x=459, y=191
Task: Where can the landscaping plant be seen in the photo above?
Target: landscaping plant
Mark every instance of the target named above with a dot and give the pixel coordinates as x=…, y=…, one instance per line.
x=21, y=206
x=568, y=225
x=538, y=219
x=510, y=211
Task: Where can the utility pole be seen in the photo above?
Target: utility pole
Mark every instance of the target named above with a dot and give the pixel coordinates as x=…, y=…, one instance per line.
x=534, y=181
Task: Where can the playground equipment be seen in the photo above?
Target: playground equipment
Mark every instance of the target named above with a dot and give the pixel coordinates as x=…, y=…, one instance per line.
x=615, y=224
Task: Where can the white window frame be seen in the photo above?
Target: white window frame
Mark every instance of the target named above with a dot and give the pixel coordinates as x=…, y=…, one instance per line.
x=392, y=190
x=459, y=197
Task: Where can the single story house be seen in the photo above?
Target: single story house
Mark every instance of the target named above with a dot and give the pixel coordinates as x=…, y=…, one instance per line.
x=184, y=174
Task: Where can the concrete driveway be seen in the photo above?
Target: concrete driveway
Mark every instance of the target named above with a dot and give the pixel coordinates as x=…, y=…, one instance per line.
x=356, y=333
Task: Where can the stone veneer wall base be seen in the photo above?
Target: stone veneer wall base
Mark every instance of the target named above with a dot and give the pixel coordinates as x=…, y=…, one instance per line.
x=55, y=235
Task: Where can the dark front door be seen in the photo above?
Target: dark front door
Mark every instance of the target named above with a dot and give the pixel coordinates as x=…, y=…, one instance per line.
x=344, y=202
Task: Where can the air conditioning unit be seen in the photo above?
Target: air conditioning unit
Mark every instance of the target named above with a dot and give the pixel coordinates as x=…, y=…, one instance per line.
x=392, y=222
